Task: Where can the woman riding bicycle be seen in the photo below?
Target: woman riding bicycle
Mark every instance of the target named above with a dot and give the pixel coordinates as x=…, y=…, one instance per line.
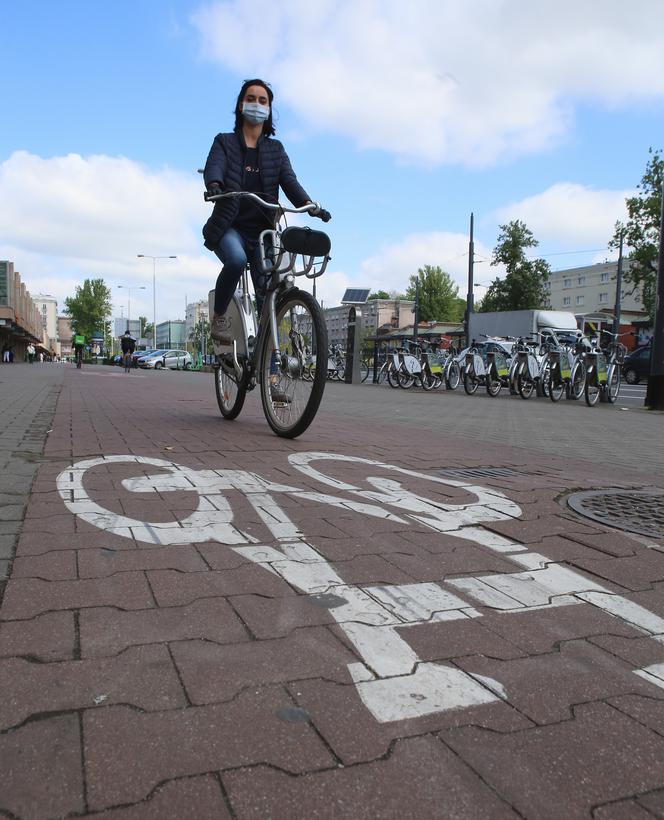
x=246, y=159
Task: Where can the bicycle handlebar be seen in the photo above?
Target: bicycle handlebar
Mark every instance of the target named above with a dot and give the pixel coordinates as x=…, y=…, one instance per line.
x=313, y=207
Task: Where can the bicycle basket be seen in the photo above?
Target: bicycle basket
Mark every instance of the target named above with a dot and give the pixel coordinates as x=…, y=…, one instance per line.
x=305, y=241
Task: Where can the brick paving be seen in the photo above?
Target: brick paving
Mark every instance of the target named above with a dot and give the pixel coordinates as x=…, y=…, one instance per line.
x=361, y=642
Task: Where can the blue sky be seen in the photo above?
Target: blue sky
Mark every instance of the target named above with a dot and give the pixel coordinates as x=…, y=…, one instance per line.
x=400, y=120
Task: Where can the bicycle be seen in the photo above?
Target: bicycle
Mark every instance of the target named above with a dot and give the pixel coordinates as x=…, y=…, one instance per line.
x=603, y=371
x=275, y=350
x=127, y=359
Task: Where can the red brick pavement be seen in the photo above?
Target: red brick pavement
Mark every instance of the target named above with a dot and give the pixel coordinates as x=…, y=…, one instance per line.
x=151, y=680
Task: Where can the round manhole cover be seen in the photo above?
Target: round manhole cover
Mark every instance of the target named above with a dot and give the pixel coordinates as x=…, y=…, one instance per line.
x=640, y=511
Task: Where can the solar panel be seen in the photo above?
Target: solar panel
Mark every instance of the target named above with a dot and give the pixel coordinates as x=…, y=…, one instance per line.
x=355, y=296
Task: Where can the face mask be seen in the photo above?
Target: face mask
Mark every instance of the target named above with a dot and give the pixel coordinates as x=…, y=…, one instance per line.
x=255, y=112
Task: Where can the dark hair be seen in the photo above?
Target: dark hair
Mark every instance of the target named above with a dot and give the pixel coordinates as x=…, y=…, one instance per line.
x=268, y=127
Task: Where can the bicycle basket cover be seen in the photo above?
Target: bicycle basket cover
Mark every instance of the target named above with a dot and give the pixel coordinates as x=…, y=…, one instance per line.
x=305, y=241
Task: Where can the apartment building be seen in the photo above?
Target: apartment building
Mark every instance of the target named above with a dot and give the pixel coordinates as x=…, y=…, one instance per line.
x=20, y=318
x=591, y=289
x=195, y=312
x=377, y=313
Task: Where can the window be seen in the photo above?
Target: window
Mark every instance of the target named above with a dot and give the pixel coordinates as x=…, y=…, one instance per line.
x=604, y=277
x=582, y=280
x=567, y=300
x=604, y=298
x=580, y=300
x=567, y=283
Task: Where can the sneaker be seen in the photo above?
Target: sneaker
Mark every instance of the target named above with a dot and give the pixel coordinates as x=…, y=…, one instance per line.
x=219, y=329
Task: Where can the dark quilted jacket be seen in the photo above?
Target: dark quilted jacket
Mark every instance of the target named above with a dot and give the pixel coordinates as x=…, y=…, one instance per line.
x=225, y=165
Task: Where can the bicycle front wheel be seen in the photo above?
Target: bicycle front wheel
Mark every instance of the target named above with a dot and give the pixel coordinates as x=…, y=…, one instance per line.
x=578, y=380
x=613, y=384
x=592, y=390
x=470, y=382
x=291, y=400
x=231, y=391
x=453, y=376
x=555, y=388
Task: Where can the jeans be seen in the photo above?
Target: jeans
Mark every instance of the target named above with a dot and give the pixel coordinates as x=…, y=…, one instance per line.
x=235, y=250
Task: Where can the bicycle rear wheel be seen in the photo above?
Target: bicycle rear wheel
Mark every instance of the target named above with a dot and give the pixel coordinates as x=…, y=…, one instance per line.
x=231, y=391
x=393, y=377
x=290, y=401
x=364, y=370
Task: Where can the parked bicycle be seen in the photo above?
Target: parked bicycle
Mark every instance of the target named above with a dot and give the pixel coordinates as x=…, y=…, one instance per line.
x=603, y=367
x=274, y=350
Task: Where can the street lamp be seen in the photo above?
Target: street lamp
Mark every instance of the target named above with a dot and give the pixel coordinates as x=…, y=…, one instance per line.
x=154, y=291
x=130, y=288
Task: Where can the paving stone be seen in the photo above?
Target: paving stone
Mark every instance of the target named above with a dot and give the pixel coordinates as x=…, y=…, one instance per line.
x=546, y=687
x=213, y=673
x=49, y=637
x=98, y=563
x=64, y=523
x=52, y=566
x=637, y=652
x=141, y=676
x=654, y=802
x=646, y=710
x=610, y=541
x=106, y=631
x=194, y=796
x=535, y=631
x=276, y=617
x=564, y=769
x=354, y=734
x=25, y=598
x=420, y=778
x=38, y=543
x=634, y=572
x=128, y=753
x=173, y=588
x=453, y=639
x=459, y=557
x=622, y=810
x=41, y=769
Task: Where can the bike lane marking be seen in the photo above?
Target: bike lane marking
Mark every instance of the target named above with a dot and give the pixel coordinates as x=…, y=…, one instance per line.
x=391, y=680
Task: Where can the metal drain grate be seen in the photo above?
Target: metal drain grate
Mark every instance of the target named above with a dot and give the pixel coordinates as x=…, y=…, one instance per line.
x=640, y=511
x=478, y=472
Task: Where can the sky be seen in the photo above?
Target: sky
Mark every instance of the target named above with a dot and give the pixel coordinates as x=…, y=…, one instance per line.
x=401, y=119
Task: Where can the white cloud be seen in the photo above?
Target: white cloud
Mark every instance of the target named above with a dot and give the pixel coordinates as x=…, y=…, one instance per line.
x=64, y=219
x=569, y=214
x=439, y=80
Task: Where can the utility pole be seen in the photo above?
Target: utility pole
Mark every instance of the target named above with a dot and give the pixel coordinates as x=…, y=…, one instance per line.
x=655, y=390
x=469, y=297
x=617, y=308
x=417, y=309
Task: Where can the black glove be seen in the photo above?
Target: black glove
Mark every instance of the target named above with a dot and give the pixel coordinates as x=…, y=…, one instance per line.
x=214, y=189
x=321, y=213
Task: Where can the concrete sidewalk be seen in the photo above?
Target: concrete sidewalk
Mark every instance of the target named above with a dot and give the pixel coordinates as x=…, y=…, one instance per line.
x=396, y=615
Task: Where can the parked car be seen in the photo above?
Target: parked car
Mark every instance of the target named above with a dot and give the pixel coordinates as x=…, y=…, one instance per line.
x=637, y=365
x=173, y=359
x=137, y=354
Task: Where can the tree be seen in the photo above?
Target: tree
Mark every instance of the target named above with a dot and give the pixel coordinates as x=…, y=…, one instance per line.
x=143, y=325
x=438, y=295
x=641, y=232
x=90, y=308
x=200, y=335
x=379, y=294
x=524, y=285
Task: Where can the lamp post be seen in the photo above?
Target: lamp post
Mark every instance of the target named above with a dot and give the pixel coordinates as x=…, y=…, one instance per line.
x=130, y=288
x=154, y=291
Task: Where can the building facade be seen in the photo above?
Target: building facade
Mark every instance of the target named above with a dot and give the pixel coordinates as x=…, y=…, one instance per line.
x=389, y=314
x=121, y=325
x=48, y=308
x=20, y=318
x=591, y=290
x=65, y=337
x=196, y=311
x=171, y=335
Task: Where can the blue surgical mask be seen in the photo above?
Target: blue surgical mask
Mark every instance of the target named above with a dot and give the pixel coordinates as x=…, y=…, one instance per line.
x=255, y=112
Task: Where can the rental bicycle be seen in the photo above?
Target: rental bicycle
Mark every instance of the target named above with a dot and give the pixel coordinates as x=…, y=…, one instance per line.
x=275, y=349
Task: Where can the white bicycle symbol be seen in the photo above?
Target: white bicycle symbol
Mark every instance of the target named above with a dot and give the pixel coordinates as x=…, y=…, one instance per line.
x=392, y=681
